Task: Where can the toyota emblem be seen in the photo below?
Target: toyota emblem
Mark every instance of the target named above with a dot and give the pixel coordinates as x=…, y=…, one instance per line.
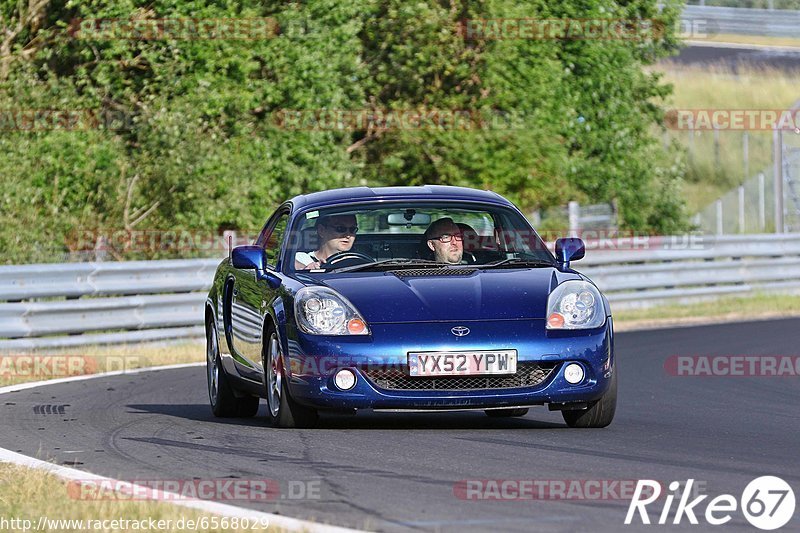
x=460, y=331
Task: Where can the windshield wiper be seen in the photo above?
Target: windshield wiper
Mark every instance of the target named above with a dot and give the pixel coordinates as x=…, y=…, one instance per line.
x=392, y=263
x=517, y=262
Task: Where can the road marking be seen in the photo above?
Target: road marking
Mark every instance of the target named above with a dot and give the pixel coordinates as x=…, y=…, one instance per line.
x=221, y=509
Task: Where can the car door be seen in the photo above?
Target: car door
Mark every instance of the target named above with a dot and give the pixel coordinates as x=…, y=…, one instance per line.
x=250, y=298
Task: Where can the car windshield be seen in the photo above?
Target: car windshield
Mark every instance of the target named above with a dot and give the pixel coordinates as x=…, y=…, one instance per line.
x=383, y=236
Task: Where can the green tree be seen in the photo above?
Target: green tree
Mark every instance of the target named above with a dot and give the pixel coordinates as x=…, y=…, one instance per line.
x=187, y=135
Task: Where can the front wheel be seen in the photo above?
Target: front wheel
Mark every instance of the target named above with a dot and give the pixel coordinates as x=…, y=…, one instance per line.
x=282, y=410
x=224, y=401
x=599, y=414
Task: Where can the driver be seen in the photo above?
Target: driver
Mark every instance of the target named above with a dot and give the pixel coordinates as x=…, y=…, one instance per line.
x=337, y=233
x=445, y=240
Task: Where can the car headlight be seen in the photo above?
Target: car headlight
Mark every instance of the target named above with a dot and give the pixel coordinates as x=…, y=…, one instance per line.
x=323, y=311
x=575, y=305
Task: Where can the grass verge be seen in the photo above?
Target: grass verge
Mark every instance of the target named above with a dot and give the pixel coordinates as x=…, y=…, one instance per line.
x=28, y=366
x=729, y=309
x=758, y=40
x=27, y=494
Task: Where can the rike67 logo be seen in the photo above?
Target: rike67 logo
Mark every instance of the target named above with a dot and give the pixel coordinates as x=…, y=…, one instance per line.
x=767, y=503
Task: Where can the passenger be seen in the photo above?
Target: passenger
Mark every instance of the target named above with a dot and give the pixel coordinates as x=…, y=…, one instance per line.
x=337, y=233
x=444, y=239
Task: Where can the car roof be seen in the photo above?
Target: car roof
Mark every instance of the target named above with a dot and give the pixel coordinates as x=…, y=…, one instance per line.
x=424, y=192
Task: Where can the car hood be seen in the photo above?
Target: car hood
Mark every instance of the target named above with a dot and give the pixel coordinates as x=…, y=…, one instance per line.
x=499, y=294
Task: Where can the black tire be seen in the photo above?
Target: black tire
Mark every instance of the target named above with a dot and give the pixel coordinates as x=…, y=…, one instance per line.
x=506, y=413
x=282, y=410
x=224, y=401
x=599, y=414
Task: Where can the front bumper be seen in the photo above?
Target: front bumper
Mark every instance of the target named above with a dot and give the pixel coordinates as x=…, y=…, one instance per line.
x=313, y=360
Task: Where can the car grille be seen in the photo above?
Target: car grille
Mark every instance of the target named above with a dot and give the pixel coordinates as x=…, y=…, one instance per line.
x=527, y=375
x=422, y=272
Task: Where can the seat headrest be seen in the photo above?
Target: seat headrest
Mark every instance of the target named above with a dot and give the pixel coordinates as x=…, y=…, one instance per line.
x=309, y=240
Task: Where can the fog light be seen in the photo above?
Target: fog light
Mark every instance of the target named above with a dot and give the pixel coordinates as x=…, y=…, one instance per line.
x=573, y=373
x=345, y=379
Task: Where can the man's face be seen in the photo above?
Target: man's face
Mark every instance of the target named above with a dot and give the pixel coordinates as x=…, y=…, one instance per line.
x=338, y=233
x=447, y=252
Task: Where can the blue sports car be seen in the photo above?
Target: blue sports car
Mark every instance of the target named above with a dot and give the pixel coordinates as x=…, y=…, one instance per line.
x=407, y=299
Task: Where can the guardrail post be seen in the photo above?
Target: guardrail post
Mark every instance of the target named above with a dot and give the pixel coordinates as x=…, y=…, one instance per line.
x=777, y=176
x=100, y=248
x=762, y=216
x=229, y=237
x=741, y=208
x=719, y=216
x=746, y=155
x=574, y=213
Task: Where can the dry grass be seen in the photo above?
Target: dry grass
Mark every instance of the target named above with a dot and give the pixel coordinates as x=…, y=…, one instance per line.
x=731, y=309
x=18, y=368
x=720, y=87
x=761, y=40
x=30, y=494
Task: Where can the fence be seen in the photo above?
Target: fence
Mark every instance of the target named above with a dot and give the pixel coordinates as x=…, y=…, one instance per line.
x=749, y=208
x=766, y=202
x=576, y=217
x=47, y=306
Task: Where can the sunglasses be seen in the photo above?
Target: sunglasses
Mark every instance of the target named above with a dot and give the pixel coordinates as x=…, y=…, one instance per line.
x=344, y=230
x=447, y=237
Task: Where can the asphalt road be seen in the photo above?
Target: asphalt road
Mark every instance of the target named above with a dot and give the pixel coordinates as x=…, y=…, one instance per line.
x=738, y=58
x=393, y=472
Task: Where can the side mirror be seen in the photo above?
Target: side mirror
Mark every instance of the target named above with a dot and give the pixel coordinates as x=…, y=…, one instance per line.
x=249, y=258
x=569, y=249
x=254, y=258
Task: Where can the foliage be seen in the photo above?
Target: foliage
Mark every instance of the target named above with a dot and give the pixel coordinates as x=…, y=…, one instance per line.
x=192, y=140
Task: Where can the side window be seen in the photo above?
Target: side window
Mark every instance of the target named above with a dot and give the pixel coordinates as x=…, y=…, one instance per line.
x=272, y=243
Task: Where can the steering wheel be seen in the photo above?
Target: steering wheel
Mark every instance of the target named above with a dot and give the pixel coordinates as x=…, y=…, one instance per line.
x=345, y=259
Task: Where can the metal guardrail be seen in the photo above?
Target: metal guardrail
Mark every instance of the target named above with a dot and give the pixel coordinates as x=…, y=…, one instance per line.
x=62, y=305
x=99, y=279
x=89, y=303
x=743, y=21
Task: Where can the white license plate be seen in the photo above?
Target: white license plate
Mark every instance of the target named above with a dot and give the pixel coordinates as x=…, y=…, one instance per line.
x=462, y=363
